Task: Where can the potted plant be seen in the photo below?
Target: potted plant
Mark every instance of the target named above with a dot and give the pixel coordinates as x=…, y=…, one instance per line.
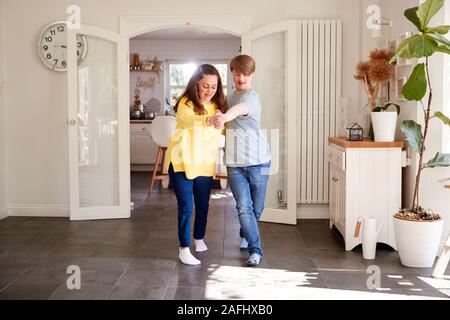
x=373, y=74
x=418, y=230
x=384, y=122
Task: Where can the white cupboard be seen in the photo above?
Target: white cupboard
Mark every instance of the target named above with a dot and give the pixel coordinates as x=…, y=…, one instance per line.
x=142, y=148
x=365, y=182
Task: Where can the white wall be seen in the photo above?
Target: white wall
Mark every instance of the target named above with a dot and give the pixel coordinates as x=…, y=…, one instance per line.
x=35, y=97
x=3, y=197
x=188, y=50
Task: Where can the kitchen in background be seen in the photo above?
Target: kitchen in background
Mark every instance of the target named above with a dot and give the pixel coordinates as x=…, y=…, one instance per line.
x=161, y=63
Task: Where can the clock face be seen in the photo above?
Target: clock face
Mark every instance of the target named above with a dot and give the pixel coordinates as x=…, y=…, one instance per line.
x=52, y=46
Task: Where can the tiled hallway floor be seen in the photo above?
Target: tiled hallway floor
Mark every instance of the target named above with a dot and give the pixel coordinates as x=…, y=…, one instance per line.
x=136, y=258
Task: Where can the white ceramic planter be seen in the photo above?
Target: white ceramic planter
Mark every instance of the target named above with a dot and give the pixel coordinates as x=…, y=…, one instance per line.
x=418, y=242
x=384, y=124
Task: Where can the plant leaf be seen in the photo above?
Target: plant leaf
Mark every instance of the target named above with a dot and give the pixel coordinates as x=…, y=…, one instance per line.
x=416, y=86
x=422, y=46
x=439, y=160
x=413, y=132
x=427, y=10
x=438, y=29
x=441, y=39
x=442, y=117
x=387, y=105
x=443, y=49
x=403, y=50
x=411, y=15
x=377, y=109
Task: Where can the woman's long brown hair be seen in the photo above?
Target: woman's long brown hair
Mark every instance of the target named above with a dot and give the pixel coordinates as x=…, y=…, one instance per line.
x=191, y=91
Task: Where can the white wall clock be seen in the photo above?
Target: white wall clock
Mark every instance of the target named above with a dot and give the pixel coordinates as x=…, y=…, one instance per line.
x=52, y=46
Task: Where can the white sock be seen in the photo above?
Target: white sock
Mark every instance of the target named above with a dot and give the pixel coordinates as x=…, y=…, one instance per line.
x=187, y=258
x=200, y=245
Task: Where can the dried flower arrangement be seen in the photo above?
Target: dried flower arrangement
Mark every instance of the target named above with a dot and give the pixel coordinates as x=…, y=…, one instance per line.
x=374, y=73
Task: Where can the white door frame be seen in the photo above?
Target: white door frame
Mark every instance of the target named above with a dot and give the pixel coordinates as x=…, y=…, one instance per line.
x=131, y=26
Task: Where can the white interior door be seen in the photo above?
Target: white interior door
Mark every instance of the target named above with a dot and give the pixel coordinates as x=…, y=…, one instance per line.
x=98, y=134
x=274, y=48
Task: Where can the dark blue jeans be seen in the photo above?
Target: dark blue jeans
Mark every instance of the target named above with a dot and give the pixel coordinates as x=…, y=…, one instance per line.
x=198, y=188
x=248, y=185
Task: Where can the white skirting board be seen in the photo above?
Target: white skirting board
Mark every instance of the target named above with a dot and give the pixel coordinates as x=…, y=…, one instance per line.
x=38, y=211
x=313, y=211
x=3, y=213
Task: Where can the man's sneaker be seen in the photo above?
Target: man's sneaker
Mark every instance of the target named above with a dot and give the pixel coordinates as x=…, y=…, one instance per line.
x=253, y=260
x=244, y=244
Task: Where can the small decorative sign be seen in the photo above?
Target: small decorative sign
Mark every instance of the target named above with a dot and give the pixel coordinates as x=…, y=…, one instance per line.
x=145, y=83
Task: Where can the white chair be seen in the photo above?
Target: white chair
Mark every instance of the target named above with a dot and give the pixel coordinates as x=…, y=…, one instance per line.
x=162, y=129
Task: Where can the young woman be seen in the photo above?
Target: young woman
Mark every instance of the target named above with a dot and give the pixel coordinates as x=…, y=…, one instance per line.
x=247, y=155
x=192, y=153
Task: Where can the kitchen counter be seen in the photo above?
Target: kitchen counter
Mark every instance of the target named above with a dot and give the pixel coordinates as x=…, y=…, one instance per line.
x=141, y=121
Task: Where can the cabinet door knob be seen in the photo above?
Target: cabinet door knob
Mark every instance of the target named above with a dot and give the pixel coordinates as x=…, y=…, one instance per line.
x=71, y=122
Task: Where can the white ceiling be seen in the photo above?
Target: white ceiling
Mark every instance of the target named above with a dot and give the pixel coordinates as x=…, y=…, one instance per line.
x=186, y=33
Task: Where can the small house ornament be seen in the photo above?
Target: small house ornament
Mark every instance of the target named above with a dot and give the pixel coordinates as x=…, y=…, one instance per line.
x=355, y=133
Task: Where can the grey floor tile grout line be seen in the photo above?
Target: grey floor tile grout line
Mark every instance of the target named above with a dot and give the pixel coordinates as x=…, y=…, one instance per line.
x=120, y=277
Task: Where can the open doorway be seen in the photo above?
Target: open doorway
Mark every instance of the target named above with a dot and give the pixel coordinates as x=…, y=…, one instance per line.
x=161, y=63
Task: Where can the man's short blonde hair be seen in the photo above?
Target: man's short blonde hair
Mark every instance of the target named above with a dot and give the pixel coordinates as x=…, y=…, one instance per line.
x=243, y=63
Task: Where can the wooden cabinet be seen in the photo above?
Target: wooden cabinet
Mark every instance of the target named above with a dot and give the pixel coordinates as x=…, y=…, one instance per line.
x=142, y=148
x=365, y=181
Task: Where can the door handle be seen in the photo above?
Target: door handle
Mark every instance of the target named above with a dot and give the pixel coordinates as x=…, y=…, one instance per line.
x=71, y=122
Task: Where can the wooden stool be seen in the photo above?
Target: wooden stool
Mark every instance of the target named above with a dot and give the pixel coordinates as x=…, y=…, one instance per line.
x=159, y=174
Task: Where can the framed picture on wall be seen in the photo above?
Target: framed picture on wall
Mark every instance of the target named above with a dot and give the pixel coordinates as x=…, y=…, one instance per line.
x=399, y=87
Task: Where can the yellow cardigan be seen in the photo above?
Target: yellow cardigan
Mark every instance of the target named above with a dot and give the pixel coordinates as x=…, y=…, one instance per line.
x=193, y=145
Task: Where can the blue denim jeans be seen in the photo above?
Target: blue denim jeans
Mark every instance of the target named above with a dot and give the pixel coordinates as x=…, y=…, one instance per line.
x=185, y=189
x=248, y=185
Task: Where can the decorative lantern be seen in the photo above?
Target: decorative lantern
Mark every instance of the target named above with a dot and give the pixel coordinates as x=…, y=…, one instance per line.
x=355, y=133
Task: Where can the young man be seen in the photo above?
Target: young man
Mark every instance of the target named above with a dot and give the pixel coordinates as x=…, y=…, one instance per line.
x=247, y=154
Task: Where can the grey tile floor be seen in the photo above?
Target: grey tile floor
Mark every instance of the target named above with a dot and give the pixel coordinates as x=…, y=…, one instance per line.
x=136, y=258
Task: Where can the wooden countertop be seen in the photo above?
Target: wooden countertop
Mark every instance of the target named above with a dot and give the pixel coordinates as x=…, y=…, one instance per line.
x=343, y=142
x=141, y=121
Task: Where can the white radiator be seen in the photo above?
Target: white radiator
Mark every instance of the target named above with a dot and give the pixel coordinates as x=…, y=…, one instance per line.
x=319, y=94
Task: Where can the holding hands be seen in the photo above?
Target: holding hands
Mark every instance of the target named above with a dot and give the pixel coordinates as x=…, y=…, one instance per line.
x=218, y=120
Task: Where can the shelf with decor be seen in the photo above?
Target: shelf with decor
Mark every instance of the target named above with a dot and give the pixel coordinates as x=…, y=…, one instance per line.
x=157, y=72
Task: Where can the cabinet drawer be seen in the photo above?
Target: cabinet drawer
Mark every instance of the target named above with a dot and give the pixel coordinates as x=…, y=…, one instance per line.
x=337, y=158
x=141, y=128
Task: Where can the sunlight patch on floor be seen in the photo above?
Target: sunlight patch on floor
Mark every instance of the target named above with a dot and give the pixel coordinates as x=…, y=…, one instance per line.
x=230, y=282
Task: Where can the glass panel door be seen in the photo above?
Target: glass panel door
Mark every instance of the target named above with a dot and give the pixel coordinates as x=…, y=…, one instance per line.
x=274, y=49
x=99, y=163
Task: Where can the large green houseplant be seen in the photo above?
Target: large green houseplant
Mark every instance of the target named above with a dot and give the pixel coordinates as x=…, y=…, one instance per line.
x=422, y=224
